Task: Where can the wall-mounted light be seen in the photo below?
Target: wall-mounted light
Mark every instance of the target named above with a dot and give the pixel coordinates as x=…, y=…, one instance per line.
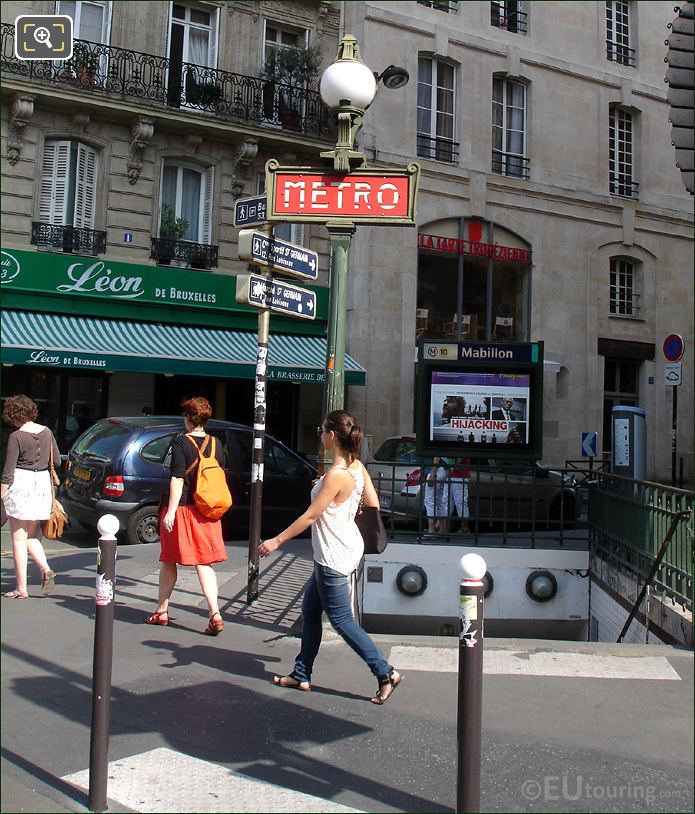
x=541, y=586
x=411, y=580
x=393, y=77
x=488, y=584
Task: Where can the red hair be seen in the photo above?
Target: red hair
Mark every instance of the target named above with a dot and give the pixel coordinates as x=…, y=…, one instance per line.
x=197, y=410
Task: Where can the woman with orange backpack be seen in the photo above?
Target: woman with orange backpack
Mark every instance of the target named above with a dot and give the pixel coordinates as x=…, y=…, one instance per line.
x=190, y=528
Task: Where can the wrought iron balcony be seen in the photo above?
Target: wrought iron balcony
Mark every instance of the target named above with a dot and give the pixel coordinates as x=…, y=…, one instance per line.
x=196, y=255
x=135, y=76
x=623, y=186
x=449, y=6
x=513, y=20
x=437, y=148
x=620, y=53
x=510, y=164
x=68, y=239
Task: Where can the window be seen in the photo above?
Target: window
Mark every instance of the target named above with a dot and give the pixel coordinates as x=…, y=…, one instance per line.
x=291, y=232
x=435, y=111
x=192, y=50
x=620, y=387
x=509, y=128
x=90, y=20
x=618, y=33
x=620, y=163
x=68, y=184
x=157, y=450
x=508, y=14
x=188, y=192
x=624, y=299
x=449, y=6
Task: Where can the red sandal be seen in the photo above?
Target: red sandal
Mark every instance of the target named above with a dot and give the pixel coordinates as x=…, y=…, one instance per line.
x=214, y=627
x=156, y=618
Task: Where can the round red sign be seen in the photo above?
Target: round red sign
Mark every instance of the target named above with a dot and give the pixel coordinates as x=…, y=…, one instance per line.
x=674, y=347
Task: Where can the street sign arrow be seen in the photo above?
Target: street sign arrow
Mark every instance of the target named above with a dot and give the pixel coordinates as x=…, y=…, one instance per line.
x=251, y=211
x=589, y=444
x=278, y=255
x=279, y=296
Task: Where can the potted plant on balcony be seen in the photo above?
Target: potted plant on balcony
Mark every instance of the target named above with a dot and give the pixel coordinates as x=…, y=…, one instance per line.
x=171, y=230
x=207, y=95
x=85, y=63
x=288, y=72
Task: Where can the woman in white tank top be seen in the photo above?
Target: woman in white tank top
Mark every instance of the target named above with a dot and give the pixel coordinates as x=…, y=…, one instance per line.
x=338, y=549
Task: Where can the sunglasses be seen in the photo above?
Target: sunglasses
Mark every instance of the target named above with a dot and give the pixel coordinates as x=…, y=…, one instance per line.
x=319, y=431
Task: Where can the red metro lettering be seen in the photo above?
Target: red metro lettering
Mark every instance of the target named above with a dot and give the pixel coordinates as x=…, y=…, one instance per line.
x=346, y=195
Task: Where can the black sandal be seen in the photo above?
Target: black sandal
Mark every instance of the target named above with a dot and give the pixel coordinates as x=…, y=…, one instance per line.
x=392, y=680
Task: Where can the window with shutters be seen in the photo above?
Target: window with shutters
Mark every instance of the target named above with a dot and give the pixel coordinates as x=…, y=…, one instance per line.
x=509, y=155
x=618, y=33
x=621, y=153
x=187, y=191
x=68, y=184
x=624, y=288
x=436, y=110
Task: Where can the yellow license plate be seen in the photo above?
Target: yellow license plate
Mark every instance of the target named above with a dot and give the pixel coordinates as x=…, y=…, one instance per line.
x=84, y=474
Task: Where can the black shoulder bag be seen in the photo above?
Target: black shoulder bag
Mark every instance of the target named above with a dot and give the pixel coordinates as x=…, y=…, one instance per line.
x=371, y=526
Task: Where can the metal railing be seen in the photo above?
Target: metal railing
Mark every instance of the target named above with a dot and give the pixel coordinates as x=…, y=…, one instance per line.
x=623, y=187
x=508, y=504
x=68, y=238
x=136, y=76
x=449, y=6
x=437, y=148
x=510, y=164
x=513, y=21
x=620, y=53
x=197, y=255
x=628, y=520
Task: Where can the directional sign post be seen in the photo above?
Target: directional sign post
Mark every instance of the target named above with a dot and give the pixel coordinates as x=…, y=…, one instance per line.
x=590, y=447
x=674, y=348
x=251, y=211
x=278, y=255
x=285, y=298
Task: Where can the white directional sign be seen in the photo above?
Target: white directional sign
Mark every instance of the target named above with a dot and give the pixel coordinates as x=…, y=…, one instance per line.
x=274, y=294
x=589, y=444
x=672, y=374
x=278, y=255
x=250, y=211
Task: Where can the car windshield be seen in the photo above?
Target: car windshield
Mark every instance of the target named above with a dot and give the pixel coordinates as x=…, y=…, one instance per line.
x=102, y=441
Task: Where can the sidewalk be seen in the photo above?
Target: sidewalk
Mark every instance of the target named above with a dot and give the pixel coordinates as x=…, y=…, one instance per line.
x=196, y=724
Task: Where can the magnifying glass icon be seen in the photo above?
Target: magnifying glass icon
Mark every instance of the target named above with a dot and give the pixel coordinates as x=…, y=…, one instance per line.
x=43, y=36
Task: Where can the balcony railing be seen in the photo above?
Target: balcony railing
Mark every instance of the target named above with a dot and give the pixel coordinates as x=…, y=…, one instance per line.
x=132, y=75
x=623, y=187
x=196, y=255
x=69, y=239
x=437, y=148
x=449, y=6
x=510, y=164
x=513, y=21
x=620, y=53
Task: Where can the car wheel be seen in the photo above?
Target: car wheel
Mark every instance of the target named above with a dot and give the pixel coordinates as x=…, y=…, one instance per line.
x=143, y=526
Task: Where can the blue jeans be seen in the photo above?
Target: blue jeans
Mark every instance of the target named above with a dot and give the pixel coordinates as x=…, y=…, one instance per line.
x=327, y=590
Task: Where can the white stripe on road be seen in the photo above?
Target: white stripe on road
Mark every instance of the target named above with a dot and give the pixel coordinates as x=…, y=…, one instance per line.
x=163, y=781
x=541, y=663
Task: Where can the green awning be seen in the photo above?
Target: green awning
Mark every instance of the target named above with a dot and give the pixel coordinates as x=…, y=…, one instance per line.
x=88, y=343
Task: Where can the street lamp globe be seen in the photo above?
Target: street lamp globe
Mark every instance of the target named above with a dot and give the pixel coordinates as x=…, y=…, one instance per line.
x=347, y=83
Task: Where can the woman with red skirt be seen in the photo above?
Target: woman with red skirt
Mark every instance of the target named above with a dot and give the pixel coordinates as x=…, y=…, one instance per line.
x=187, y=537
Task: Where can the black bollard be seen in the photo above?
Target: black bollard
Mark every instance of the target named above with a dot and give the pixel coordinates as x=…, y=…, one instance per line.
x=103, y=659
x=470, y=690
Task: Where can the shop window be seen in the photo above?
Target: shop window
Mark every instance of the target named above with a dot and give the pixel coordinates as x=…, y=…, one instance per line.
x=624, y=291
x=509, y=139
x=621, y=153
x=509, y=15
x=67, y=195
x=620, y=388
x=436, y=103
x=618, y=33
x=186, y=203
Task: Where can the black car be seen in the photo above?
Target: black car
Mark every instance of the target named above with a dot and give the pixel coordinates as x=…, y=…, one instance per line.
x=120, y=466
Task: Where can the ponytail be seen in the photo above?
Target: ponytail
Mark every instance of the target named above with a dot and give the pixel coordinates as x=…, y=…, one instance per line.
x=348, y=433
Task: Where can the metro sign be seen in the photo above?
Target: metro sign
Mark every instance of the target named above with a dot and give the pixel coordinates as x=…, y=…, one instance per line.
x=383, y=196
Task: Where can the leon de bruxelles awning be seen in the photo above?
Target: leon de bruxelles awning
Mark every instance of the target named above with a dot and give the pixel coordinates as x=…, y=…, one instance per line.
x=87, y=343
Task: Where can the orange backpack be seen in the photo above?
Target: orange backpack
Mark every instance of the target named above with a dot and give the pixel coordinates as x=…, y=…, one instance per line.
x=211, y=494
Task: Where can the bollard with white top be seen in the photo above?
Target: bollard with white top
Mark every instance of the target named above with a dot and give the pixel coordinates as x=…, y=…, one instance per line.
x=103, y=658
x=470, y=689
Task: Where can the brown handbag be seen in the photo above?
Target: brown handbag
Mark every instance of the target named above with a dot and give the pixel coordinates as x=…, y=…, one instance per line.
x=53, y=527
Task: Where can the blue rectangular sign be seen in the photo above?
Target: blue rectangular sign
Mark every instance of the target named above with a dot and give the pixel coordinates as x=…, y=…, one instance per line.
x=278, y=255
x=250, y=211
x=277, y=295
x=589, y=444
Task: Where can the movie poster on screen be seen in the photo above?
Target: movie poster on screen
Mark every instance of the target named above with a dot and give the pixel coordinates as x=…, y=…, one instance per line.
x=480, y=408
